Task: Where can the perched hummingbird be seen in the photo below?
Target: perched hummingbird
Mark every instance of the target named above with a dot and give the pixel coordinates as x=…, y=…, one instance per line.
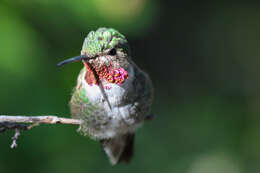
x=113, y=96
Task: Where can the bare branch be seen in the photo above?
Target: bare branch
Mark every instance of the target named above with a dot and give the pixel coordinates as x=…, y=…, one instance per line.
x=48, y=119
x=19, y=123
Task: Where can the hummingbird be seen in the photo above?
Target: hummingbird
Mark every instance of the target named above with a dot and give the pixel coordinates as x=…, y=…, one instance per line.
x=113, y=96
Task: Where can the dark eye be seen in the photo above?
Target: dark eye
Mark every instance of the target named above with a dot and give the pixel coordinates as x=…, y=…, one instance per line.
x=112, y=52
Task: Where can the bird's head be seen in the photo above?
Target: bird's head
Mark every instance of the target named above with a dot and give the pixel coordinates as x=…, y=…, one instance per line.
x=106, y=53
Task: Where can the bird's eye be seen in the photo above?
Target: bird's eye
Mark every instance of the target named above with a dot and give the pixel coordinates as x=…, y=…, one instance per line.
x=112, y=52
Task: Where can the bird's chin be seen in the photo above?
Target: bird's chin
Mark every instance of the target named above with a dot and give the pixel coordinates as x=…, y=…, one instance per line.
x=104, y=72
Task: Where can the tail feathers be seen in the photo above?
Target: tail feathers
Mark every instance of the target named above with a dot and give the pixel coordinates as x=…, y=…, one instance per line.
x=119, y=149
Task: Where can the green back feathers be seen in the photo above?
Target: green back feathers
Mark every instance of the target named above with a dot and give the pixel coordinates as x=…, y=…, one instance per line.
x=104, y=38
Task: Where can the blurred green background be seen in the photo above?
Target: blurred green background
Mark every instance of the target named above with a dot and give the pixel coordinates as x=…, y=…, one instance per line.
x=203, y=58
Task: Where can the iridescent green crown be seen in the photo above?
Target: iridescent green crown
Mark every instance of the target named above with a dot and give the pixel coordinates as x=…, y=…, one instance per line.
x=104, y=38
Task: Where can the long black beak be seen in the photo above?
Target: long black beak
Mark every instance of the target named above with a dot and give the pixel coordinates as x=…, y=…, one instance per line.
x=74, y=59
